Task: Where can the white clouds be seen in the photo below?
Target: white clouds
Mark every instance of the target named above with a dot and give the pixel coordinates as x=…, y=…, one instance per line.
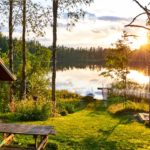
x=102, y=25
x=88, y=33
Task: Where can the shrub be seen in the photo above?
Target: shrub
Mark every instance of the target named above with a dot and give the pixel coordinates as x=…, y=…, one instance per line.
x=70, y=108
x=66, y=95
x=28, y=110
x=88, y=99
x=64, y=113
x=129, y=106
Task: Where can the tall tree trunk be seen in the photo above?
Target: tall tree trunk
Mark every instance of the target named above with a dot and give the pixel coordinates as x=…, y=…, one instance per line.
x=10, y=35
x=55, y=11
x=23, y=89
x=11, y=101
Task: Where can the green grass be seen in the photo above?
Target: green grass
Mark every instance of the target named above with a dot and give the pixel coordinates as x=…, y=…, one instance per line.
x=94, y=128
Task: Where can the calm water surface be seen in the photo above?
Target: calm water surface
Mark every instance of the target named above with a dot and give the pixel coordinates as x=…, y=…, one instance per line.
x=85, y=81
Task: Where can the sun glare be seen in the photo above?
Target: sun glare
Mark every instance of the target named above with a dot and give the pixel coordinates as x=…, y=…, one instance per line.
x=138, y=77
x=140, y=40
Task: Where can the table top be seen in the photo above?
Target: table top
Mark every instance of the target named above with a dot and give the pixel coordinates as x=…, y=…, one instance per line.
x=26, y=129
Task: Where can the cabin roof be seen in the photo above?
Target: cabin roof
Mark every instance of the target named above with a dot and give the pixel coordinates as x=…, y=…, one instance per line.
x=5, y=74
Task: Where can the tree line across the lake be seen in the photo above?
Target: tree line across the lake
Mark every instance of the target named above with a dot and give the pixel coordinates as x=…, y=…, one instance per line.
x=78, y=57
x=83, y=57
x=69, y=57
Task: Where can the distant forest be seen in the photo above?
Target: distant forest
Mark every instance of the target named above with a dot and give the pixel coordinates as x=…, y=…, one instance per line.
x=82, y=57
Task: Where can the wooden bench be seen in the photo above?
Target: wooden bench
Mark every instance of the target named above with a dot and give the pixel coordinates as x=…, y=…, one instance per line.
x=41, y=132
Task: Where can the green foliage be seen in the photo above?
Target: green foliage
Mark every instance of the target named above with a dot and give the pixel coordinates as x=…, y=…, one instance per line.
x=113, y=99
x=68, y=103
x=38, y=86
x=64, y=94
x=29, y=110
x=88, y=99
x=95, y=129
x=117, y=107
x=137, y=107
x=117, y=60
x=4, y=92
x=3, y=44
x=38, y=65
x=68, y=106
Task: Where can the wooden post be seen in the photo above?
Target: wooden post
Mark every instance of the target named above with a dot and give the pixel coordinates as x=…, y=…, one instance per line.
x=43, y=143
x=6, y=139
x=36, y=143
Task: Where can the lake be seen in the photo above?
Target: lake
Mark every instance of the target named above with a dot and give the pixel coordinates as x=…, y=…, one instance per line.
x=86, y=80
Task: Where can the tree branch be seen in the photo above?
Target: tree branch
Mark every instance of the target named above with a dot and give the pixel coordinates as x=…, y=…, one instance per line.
x=133, y=20
x=145, y=9
x=138, y=26
x=146, y=12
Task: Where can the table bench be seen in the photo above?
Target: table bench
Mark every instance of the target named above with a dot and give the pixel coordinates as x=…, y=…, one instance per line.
x=41, y=132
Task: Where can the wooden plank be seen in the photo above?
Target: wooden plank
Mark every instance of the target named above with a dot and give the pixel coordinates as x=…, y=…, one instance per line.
x=43, y=143
x=5, y=74
x=26, y=129
x=6, y=140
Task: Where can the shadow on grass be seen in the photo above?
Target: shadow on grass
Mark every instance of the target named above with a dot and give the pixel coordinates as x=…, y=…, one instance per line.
x=97, y=107
x=89, y=143
x=81, y=105
x=124, y=119
x=125, y=116
x=93, y=143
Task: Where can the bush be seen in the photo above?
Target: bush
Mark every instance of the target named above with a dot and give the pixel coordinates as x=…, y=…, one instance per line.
x=68, y=106
x=28, y=110
x=64, y=113
x=66, y=95
x=88, y=99
x=129, y=106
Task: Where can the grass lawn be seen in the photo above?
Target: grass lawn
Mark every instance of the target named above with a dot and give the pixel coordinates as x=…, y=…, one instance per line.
x=93, y=128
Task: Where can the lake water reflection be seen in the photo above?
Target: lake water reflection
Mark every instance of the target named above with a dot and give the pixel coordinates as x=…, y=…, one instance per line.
x=85, y=81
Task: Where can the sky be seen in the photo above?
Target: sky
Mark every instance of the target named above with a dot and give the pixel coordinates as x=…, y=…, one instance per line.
x=102, y=26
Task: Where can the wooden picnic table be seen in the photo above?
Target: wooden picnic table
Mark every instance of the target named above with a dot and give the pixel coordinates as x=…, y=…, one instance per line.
x=9, y=130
